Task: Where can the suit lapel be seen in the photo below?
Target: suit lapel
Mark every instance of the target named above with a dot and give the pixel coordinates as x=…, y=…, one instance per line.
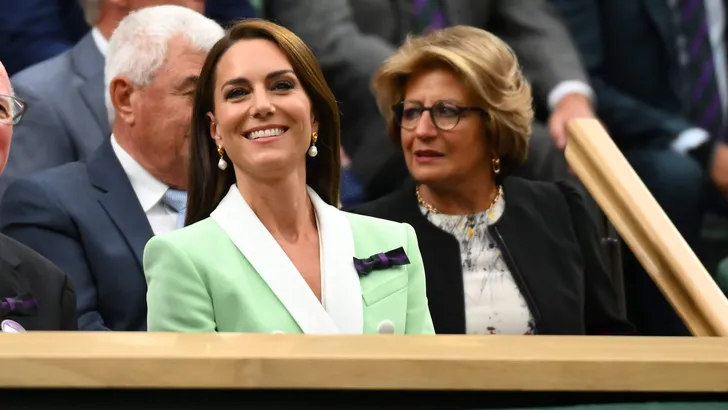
x=661, y=15
x=118, y=199
x=250, y=236
x=342, y=289
x=441, y=255
x=89, y=64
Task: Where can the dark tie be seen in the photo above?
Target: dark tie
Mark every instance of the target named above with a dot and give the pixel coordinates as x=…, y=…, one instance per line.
x=428, y=15
x=703, y=102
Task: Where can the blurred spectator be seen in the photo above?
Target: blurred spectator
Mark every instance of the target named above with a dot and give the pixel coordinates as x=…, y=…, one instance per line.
x=227, y=12
x=34, y=293
x=32, y=31
x=66, y=119
x=658, y=70
x=94, y=217
x=352, y=38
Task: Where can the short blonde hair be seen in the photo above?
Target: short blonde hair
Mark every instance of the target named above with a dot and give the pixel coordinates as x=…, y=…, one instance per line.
x=486, y=66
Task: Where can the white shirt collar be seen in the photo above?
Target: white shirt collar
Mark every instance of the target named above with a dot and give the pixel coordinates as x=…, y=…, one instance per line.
x=148, y=189
x=101, y=43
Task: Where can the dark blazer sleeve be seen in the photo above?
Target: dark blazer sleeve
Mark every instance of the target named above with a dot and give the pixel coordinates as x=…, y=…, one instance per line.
x=33, y=216
x=533, y=28
x=625, y=115
x=603, y=315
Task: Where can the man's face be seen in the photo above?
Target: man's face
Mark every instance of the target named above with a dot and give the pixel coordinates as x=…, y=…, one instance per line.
x=162, y=110
x=6, y=130
x=196, y=5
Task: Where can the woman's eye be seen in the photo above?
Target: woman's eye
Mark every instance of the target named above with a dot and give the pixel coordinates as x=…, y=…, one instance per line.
x=283, y=86
x=446, y=111
x=235, y=93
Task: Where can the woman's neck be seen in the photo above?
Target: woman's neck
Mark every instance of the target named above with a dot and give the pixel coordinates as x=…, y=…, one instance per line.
x=283, y=206
x=465, y=198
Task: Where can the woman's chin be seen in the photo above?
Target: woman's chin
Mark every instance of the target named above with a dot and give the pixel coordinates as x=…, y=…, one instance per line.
x=274, y=164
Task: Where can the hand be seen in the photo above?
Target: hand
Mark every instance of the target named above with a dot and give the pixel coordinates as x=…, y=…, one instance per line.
x=345, y=161
x=719, y=168
x=571, y=106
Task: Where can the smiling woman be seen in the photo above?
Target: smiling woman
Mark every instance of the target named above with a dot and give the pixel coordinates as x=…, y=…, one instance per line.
x=266, y=249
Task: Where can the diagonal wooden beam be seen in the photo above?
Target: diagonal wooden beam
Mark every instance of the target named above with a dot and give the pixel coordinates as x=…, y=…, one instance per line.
x=646, y=229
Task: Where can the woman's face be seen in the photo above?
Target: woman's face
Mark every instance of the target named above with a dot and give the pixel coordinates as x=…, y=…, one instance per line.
x=263, y=117
x=435, y=156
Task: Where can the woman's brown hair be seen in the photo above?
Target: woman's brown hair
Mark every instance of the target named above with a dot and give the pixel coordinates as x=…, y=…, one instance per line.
x=207, y=184
x=486, y=65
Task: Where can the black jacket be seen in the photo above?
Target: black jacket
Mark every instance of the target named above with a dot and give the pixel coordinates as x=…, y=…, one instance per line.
x=551, y=247
x=26, y=275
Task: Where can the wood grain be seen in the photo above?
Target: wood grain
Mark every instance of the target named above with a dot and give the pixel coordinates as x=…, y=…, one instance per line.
x=495, y=363
x=646, y=229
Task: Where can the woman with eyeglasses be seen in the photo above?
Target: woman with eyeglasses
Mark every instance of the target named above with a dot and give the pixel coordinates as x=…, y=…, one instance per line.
x=502, y=255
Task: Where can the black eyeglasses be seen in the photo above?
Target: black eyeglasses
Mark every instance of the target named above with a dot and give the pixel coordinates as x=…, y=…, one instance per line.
x=11, y=109
x=445, y=115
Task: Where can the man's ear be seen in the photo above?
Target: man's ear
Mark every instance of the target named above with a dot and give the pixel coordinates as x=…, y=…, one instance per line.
x=214, y=132
x=122, y=93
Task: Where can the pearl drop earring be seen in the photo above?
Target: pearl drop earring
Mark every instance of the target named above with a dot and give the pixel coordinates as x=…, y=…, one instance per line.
x=222, y=164
x=312, y=150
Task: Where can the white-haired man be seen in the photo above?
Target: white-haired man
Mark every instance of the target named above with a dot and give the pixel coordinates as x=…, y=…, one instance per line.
x=68, y=121
x=93, y=217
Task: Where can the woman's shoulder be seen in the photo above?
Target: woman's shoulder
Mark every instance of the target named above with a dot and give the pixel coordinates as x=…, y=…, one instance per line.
x=377, y=229
x=389, y=206
x=196, y=236
x=542, y=192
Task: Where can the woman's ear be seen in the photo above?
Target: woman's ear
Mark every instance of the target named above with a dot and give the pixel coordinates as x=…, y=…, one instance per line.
x=314, y=125
x=214, y=129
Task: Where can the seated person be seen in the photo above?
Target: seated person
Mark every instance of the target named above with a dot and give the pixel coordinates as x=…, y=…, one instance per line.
x=34, y=293
x=266, y=250
x=93, y=218
x=503, y=255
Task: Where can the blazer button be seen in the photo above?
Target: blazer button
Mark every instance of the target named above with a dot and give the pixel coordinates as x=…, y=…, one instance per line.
x=11, y=326
x=386, y=327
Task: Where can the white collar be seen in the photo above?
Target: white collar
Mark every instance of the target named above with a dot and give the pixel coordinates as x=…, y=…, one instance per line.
x=341, y=289
x=148, y=189
x=101, y=43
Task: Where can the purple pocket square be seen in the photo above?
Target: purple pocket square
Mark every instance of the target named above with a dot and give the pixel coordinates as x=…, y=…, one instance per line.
x=21, y=305
x=381, y=261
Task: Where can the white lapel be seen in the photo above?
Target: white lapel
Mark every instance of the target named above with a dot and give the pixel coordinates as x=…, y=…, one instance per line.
x=254, y=241
x=341, y=286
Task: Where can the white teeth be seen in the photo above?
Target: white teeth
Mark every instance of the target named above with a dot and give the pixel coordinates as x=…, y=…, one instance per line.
x=271, y=132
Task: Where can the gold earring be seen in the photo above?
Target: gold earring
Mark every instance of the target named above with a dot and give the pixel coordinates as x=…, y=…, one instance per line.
x=222, y=164
x=496, y=166
x=312, y=150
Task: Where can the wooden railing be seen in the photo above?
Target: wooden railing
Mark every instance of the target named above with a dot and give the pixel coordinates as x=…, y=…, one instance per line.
x=646, y=229
x=488, y=363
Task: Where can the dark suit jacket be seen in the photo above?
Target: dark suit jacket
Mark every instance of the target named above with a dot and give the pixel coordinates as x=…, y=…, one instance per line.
x=352, y=38
x=65, y=119
x=34, y=30
x=551, y=247
x=630, y=51
x=86, y=218
x=23, y=271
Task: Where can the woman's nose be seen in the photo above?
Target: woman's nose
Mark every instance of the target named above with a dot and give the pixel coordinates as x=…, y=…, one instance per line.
x=425, y=126
x=261, y=104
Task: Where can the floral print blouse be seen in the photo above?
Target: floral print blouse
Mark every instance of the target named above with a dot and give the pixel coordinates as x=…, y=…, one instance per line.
x=493, y=302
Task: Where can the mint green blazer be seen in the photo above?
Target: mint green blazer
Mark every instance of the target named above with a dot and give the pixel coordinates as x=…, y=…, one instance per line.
x=228, y=274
